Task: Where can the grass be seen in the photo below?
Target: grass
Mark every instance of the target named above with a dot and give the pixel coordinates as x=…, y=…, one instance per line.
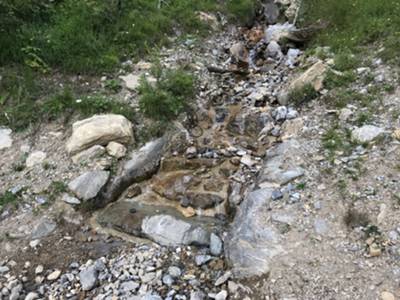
x=168, y=97
x=21, y=108
x=353, y=26
x=302, y=95
x=93, y=36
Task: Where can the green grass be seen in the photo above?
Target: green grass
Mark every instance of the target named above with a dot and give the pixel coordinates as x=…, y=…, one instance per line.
x=168, y=97
x=93, y=36
x=22, y=109
x=353, y=26
x=9, y=198
x=302, y=95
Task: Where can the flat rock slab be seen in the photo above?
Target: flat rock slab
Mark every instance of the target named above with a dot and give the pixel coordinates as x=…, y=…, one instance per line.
x=89, y=184
x=366, y=133
x=5, y=138
x=161, y=224
x=99, y=130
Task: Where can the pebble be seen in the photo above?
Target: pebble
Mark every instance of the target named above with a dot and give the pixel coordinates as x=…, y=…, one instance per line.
x=54, y=275
x=387, y=296
x=202, y=259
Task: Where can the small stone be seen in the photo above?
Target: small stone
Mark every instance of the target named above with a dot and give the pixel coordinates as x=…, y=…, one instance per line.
x=387, y=296
x=148, y=277
x=191, y=152
x=168, y=280
x=4, y=269
x=280, y=113
x=130, y=286
x=89, y=184
x=39, y=269
x=222, y=295
x=197, y=295
x=174, y=271
x=88, y=278
x=5, y=138
x=276, y=194
x=54, y=275
x=374, y=250
x=224, y=278
x=35, y=158
x=32, y=296
x=34, y=243
x=116, y=150
x=366, y=133
x=202, y=259
x=70, y=200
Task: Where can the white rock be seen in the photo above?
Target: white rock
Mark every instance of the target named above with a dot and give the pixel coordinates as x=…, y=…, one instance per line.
x=116, y=150
x=39, y=269
x=35, y=158
x=54, y=275
x=131, y=81
x=70, y=200
x=366, y=133
x=32, y=296
x=99, y=130
x=5, y=138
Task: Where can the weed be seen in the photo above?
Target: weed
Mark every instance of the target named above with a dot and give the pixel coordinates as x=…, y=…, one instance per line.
x=55, y=189
x=168, y=97
x=113, y=85
x=302, y=95
x=242, y=10
x=301, y=186
x=363, y=118
x=8, y=198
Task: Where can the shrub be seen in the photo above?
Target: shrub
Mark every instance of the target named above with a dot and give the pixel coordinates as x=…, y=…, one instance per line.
x=242, y=10
x=301, y=95
x=168, y=97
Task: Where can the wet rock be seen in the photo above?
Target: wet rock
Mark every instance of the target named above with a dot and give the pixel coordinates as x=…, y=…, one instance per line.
x=366, y=133
x=252, y=243
x=5, y=138
x=116, y=150
x=89, y=184
x=169, y=231
x=142, y=165
x=35, y=158
x=99, y=130
x=43, y=228
x=88, y=154
x=216, y=246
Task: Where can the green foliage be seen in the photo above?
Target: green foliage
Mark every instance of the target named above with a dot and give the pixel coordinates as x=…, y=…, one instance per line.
x=242, y=10
x=8, y=198
x=302, y=95
x=351, y=25
x=164, y=100
x=22, y=108
x=91, y=36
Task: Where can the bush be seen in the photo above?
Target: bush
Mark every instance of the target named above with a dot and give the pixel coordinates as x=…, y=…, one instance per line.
x=242, y=10
x=168, y=97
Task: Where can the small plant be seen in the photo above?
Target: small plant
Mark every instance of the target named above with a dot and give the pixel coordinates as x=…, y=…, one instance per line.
x=165, y=100
x=301, y=186
x=113, y=85
x=363, y=118
x=302, y=95
x=8, y=198
x=55, y=189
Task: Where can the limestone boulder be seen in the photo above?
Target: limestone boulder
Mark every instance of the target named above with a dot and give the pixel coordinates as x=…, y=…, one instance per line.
x=99, y=130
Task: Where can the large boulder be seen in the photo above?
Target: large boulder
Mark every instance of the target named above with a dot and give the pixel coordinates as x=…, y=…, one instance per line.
x=253, y=242
x=170, y=231
x=89, y=184
x=99, y=130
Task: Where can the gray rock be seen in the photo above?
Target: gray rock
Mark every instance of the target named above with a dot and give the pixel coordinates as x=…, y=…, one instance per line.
x=88, y=154
x=197, y=295
x=271, y=12
x=292, y=56
x=321, y=226
x=224, y=278
x=216, y=246
x=4, y=269
x=89, y=184
x=88, y=278
x=366, y=133
x=280, y=113
x=252, y=243
x=291, y=114
x=168, y=280
x=169, y=231
x=43, y=228
x=32, y=296
x=174, y=271
x=5, y=138
x=69, y=199
x=15, y=292
x=202, y=259
x=129, y=286
x=274, y=50
x=222, y=295
x=35, y=158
